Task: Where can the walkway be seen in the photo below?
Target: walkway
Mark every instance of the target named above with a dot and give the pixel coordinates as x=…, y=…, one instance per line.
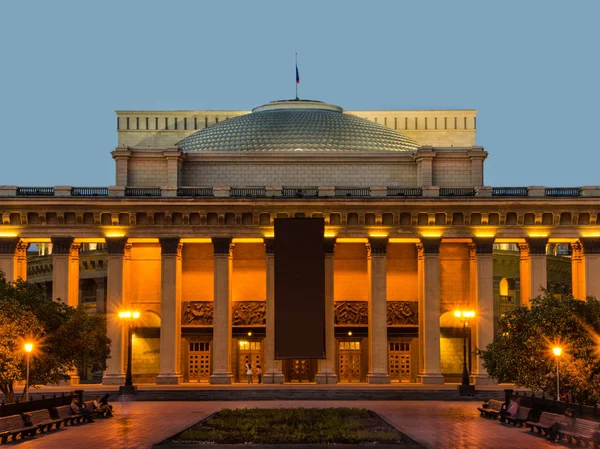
x=435, y=424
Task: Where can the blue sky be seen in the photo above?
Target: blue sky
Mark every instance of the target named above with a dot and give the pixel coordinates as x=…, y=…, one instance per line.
x=530, y=68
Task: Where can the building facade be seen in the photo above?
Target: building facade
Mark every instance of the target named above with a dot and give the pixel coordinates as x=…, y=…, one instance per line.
x=185, y=236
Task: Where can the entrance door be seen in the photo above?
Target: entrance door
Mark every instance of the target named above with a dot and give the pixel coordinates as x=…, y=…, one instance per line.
x=199, y=361
x=300, y=370
x=399, y=361
x=349, y=361
x=249, y=352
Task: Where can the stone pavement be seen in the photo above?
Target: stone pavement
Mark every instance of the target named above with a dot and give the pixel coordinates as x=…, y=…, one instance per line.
x=435, y=424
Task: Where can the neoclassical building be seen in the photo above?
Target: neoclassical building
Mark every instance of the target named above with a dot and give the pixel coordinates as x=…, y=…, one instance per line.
x=412, y=233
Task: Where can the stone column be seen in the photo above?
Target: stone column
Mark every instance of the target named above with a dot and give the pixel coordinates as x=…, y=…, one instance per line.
x=378, y=356
x=577, y=283
x=170, y=312
x=533, y=268
x=65, y=270
x=13, y=258
x=326, y=372
x=421, y=310
x=273, y=373
x=100, y=295
x=429, y=333
x=590, y=265
x=221, y=372
x=484, y=305
x=119, y=253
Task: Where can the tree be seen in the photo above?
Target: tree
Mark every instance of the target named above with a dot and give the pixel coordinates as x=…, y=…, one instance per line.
x=521, y=351
x=65, y=338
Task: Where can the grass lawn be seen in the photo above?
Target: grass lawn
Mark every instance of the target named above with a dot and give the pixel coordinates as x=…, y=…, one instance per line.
x=294, y=426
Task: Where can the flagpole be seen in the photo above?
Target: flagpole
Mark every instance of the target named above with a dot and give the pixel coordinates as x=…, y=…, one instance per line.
x=296, y=80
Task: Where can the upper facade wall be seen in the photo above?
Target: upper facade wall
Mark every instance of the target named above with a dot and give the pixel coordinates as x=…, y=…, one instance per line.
x=165, y=128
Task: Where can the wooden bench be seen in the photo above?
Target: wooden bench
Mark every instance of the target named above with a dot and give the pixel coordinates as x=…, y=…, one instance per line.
x=508, y=412
x=13, y=427
x=95, y=412
x=582, y=431
x=519, y=418
x=65, y=413
x=43, y=421
x=491, y=408
x=547, y=420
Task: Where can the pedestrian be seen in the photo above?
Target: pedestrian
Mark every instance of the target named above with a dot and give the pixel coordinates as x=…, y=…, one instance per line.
x=249, y=372
x=259, y=374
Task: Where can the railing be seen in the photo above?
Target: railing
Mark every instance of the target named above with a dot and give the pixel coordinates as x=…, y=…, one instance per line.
x=353, y=191
x=509, y=191
x=195, y=191
x=562, y=191
x=457, y=191
x=247, y=192
x=89, y=191
x=404, y=191
x=35, y=191
x=142, y=191
x=299, y=192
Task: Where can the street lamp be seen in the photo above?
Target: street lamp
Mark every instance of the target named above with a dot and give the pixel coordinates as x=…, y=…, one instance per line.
x=464, y=316
x=28, y=349
x=129, y=317
x=557, y=350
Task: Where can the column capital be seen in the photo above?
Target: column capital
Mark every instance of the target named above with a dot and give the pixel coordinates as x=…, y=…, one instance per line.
x=590, y=245
x=537, y=245
x=221, y=245
x=483, y=245
x=431, y=245
x=116, y=245
x=269, y=245
x=170, y=246
x=329, y=245
x=61, y=245
x=378, y=245
x=8, y=245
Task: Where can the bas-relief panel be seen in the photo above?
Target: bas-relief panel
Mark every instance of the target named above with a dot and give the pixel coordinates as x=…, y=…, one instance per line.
x=243, y=313
x=197, y=313
x=399, y=313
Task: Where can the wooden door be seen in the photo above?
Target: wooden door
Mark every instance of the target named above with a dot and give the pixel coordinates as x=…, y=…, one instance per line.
x=249, y=352
x=349, y=361
x=199, y=361
x=399, y=361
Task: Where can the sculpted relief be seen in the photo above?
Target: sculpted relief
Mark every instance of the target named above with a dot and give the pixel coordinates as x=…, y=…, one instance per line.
x=248, y=313
x=351, y=312
x=402, y=313
x=198, y=313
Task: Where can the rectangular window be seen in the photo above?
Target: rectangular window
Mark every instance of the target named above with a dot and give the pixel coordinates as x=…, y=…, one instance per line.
x=118, y=122
x=206, y=122
x=175, y=122
x=195, y=123
x=166, y=123
x=416, y=123
x=455, y=123
x=147, y=124
x=435, y=122
x=405, y=122
x=395, y=122
x=127, y=122
x=474, y=122
x=156, y=123
x=445, y=122
x=465, y=122
x=385, y=121
x=185, y=123
x=216, y=119
x=137, y=123
x=426, y=123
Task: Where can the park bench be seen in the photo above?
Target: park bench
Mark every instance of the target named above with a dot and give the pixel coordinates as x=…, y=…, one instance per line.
x=582, y=431
x=13, y=426
x=96, y=412
x=520, y=417
x=508, y=412
x=42, y=420
x=546, y=421
x=491, y=408
x=65, y=413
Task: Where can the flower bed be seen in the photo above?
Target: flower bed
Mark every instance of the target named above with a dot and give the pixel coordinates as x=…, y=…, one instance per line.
x=294, y=426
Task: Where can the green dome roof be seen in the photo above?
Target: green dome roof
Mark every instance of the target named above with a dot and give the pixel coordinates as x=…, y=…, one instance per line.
x=297, y=125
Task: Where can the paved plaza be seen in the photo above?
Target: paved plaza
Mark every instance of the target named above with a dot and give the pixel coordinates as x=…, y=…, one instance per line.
x=435, y=424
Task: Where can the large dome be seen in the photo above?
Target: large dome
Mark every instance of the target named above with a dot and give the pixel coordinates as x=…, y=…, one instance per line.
x=297, y=125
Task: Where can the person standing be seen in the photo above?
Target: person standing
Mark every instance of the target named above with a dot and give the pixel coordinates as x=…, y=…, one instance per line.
x=249, y=372
x=259, y=374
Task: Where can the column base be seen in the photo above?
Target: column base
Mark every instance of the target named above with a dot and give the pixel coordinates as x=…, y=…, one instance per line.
x=378, y=378
x=169, y=379
x=221, y=378
x=483, y=379
x=273, y=378
x=113, y=379
x=430, y=379
x=326, y=378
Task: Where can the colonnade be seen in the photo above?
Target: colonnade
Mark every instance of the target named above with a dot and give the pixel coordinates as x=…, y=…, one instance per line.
x=585, y=263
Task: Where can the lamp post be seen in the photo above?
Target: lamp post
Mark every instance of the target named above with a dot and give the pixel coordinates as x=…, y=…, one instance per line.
x=557, y=350
x=129, y=317
x=465, y=387
x=28, y=349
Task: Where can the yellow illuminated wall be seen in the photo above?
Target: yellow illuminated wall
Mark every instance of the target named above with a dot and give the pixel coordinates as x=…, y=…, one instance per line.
x=249, y=272
x=350, y=272
x=198, y=272
x=402, y=272
x=145, y=272
x=454, y=276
